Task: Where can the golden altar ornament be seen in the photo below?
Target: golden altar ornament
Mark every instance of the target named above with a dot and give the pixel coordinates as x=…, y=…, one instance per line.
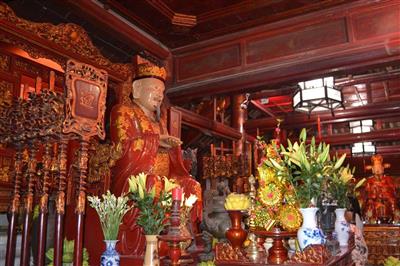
x=270, y=194
x=290, y=218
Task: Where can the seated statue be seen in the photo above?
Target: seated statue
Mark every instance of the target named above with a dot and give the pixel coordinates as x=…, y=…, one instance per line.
x=139, y=128
x=380, y=203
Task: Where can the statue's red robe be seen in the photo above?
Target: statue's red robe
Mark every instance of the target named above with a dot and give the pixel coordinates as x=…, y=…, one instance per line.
x=140, y=138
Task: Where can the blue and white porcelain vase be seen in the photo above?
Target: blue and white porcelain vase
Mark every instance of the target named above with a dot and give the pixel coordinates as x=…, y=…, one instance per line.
x=309, y=233
x=110, y=256
x=342, y=227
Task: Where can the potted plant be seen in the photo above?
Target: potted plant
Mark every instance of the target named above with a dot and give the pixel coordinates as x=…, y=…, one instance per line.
x=340, y=187
x=111, y=210
x=306, y=167
x=153, y=207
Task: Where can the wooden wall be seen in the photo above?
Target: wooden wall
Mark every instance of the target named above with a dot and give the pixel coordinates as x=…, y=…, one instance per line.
x=354, y=35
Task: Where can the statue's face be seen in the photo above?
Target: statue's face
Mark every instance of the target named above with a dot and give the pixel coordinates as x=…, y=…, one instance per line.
x=378, y=169
x=149, y=92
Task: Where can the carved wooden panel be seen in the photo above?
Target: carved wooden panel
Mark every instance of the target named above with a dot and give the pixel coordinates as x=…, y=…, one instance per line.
x=4, y=62
x=308, y=38
x=174, y=122
x=6, y=91
x=382, y=242
x=208, y=62
x=376, y=22
x=27, y=67
x=6, y=164
x=86, y=99
x=67, y=38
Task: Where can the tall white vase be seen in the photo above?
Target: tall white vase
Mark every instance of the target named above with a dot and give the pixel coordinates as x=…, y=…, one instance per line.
x=309, y=233
x=151, y=255
x=342, y=227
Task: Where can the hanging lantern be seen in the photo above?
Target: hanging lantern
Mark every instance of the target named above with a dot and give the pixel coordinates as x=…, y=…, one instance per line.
x=317, y=95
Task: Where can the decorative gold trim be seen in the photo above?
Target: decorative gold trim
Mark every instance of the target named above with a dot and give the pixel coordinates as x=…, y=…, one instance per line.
x=60, y=202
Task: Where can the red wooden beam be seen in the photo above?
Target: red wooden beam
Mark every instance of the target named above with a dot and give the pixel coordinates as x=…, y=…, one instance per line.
x=108, y=20
x=200, y=122
x=299, y=120
x=373, y=136
x=368, y=78
x=263, y=109
x=394, y=149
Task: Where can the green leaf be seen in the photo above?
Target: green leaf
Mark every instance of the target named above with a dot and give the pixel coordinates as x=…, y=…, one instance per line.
x=276, y=164
x=303, y=135
x=340, y=161
x=290, y=146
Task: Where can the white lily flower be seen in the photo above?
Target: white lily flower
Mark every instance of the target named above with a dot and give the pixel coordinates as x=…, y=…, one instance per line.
x=190, y=201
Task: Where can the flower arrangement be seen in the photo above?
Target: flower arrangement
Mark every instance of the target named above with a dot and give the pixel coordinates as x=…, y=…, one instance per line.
x=341, y=185
x=305, y=167
x=111, y=210
x=154, y=203
x=186, y=206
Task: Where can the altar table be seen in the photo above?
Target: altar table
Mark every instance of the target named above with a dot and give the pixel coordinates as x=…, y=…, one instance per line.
x=342, y=259
x=383, y=240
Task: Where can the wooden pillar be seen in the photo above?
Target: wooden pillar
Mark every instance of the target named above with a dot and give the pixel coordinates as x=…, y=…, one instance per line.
x=60, y=203
x=81, y=201
x=26, y=234
x=44, y=199
x=238, y=119
x=12, y=226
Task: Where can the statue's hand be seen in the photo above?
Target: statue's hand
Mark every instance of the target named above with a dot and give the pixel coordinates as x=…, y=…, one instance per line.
x=167, y=141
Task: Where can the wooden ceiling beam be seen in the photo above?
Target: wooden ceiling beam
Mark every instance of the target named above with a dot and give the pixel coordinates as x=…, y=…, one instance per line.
x=105, y=18
x=367, y=78
x=192, y=119
x=373, y=136
x=299, y=120
x=263, y=109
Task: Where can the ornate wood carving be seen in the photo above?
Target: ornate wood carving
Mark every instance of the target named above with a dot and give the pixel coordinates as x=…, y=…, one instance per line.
x=69, y=36
x=382, y=241
x=23, y=65
x=86, y=98
x=4, y=62
x=33, y=50
x=6, y=92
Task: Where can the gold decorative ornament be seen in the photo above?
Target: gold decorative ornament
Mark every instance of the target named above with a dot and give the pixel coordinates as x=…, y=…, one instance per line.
x=290, y=218
x=270, y=194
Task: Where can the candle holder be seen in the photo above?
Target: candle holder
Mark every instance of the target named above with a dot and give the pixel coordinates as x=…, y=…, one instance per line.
x=277, y=254
x=174, y=237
